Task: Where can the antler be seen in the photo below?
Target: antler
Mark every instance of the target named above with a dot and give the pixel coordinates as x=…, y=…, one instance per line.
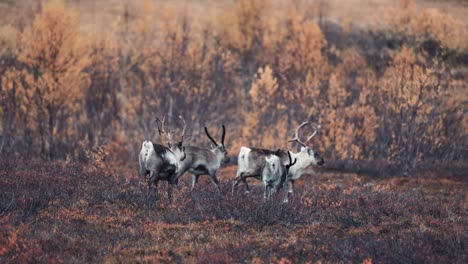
x=162, y=130
x=317, y=128
x=183, y=137
x=296, y=135
x=291, y=163
x=208, y=134
x=214, y=141
x=222, y=137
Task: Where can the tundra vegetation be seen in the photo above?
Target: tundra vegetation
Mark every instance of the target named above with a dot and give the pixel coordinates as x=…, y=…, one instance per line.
x=81, y=83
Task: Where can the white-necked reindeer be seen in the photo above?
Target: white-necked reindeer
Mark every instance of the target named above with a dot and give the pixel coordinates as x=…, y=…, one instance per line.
x=251, y=160
x=161, y=162
x=275, y=174
x=202, y=161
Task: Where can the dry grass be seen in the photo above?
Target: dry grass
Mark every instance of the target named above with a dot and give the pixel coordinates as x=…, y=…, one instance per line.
x=60, y=213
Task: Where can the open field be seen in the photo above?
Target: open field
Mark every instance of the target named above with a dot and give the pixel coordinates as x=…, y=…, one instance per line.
x=59, y=212
x=81, y=83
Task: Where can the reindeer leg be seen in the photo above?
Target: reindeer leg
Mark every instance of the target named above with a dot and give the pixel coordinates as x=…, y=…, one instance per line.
x=169, y=190
x=234, y=184
x=291, y=191
x=156, y=186
x=194, y=180
x=242, y=178
x=153, y=179
x=143, y=174
x=175, y=178
x=215, y=180
x=265, y=192
x=246, y=185
x=236, y=180
x=286, y=192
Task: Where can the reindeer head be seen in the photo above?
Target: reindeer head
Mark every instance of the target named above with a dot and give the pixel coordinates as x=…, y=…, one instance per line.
x=306, y=151
x=219, y=149
x=176, y=147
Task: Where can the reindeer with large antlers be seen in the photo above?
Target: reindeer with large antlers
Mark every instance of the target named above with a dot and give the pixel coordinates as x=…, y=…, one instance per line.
x=202, y=161
x=251, y=161
x=160, y=162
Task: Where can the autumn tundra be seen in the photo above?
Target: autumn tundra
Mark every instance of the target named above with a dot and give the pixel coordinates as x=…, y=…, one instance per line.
x=379, y=169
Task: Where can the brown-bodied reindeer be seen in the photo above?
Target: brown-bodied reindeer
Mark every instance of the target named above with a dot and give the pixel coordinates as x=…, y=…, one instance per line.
x=161, y=162
x=251, y=161
x=202, y=161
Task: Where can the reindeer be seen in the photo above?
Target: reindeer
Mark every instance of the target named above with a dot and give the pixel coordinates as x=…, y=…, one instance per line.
x=160, y=162
x=201, y=161
x=251, y=160
x=274, y=175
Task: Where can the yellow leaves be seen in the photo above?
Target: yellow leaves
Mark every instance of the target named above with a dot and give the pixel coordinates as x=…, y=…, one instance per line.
x=9, y=40
x=430, y=23
x=53, y=81
x=303, y=48
x=54, y=48
x=337, y=93
x=243, y=25
x=156, y=60
x=264, y=86
x=52, y=30
x=273, y=34
x=442, y=27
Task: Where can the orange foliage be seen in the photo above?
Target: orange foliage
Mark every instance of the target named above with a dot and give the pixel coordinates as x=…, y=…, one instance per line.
x=56, y=82
x=260, y=67
x=430, y=23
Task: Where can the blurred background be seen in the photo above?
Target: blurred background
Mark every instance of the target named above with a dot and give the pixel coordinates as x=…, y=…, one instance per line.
x=387, y=79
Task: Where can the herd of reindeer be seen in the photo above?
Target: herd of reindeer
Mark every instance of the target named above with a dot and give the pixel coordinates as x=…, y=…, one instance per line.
x=275, y=168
